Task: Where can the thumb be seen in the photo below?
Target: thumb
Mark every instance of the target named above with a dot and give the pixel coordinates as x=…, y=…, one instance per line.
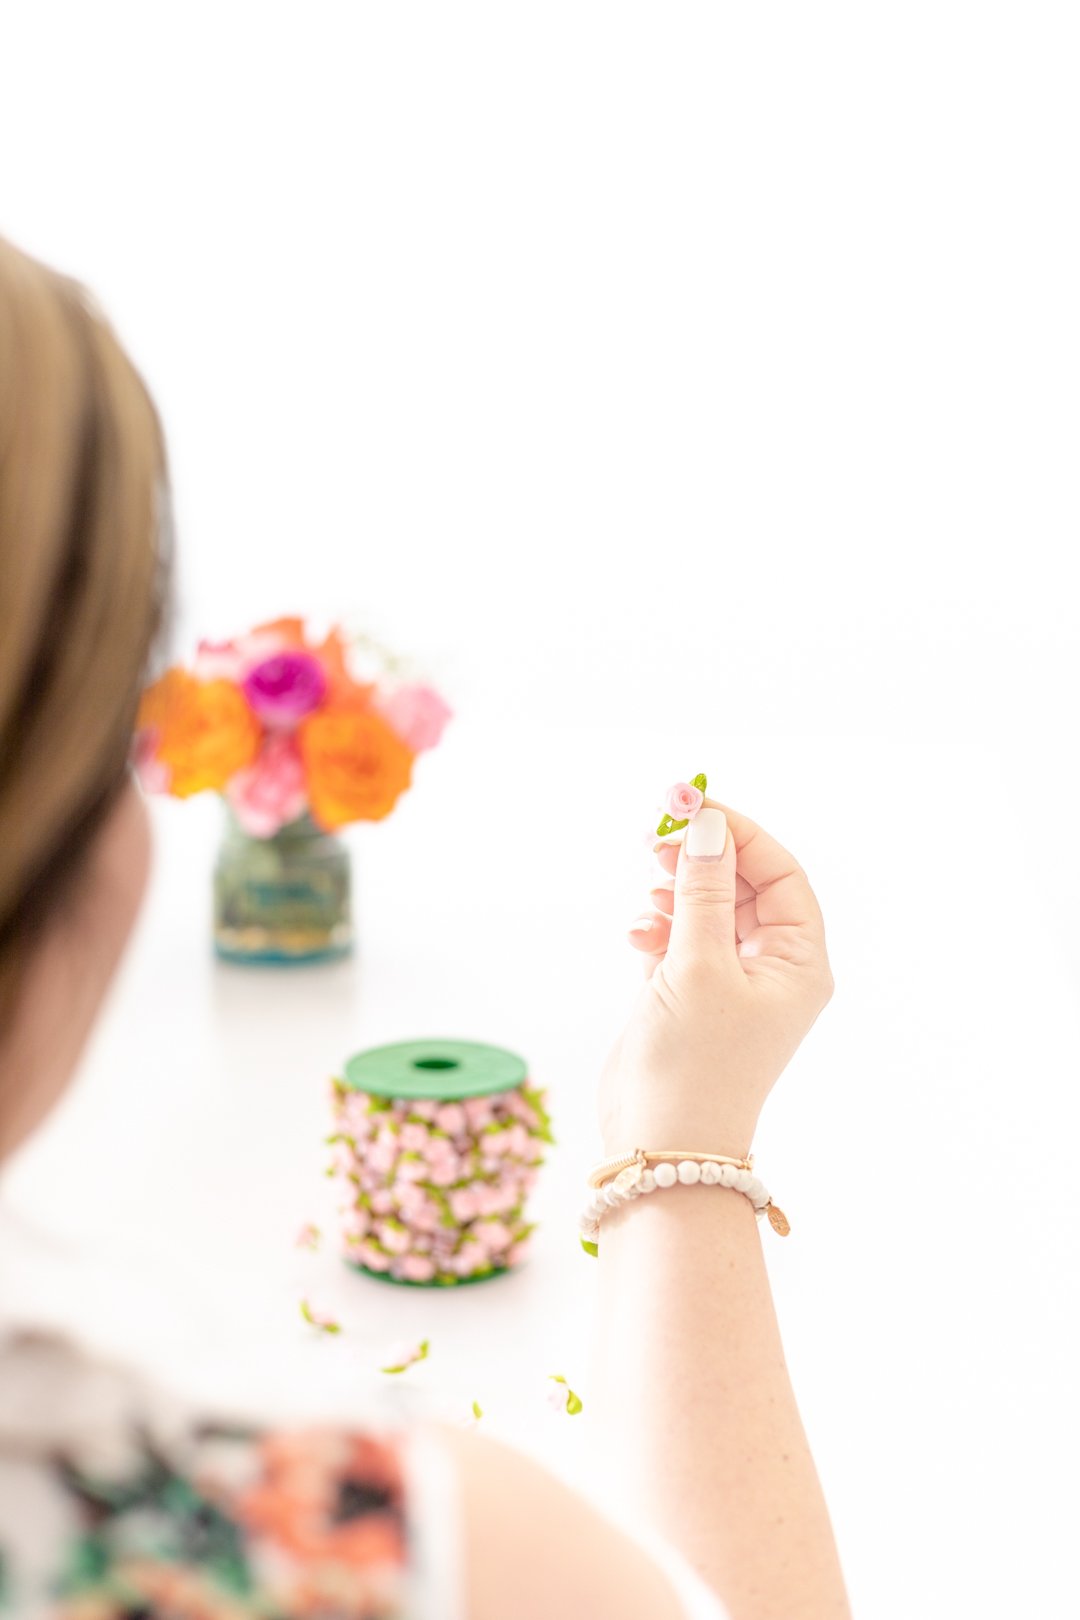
x=704, y=916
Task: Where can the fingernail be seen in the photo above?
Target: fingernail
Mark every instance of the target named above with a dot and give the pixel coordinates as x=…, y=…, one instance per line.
x=642, y=925
x=706, y=835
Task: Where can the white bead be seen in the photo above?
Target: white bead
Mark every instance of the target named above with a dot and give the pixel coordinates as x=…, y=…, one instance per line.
x=710, y=1173
x=628, y=1178
x=689, y=1172
x=647, y=1184
x=758, y=1195
x=612, y=1196
x=585, y=1222
x=665, y=1175
x=743, y=1181
x=725, y=1175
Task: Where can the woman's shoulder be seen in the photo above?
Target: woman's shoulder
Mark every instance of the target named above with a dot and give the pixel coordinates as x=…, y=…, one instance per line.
x=116, y=1499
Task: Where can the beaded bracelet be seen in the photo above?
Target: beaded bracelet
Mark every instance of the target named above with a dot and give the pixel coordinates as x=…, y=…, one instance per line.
x=619, y=1180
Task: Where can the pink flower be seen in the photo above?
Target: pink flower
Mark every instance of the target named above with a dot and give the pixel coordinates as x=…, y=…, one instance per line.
x=463, y=1204
x=418, y=715
x=218, y=661
x=395, y=1239
x=307, y=1237
x=451, y=1118
x=417, y=1268
x=382, y=1201
x=356, y=1223
x=268, y=794
x=370, y=1255
x=286, y=686
x=478, y=1112
x=153, y=775
x=413, y=1138
x=682, y=801
x=519, y=1253
x=494, y=1235
x=424, y=1109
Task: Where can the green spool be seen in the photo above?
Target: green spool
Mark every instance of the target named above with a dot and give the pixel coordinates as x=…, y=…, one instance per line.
x=435, y=1071
x=438, y=1071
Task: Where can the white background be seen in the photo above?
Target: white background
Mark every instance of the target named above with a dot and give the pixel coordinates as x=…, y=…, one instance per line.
x=688, y=388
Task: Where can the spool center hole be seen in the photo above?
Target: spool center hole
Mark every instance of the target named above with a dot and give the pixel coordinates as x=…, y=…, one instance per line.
x=435, y=1063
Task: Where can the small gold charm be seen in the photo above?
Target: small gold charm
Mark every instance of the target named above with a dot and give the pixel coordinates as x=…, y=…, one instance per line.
x=778, y=1220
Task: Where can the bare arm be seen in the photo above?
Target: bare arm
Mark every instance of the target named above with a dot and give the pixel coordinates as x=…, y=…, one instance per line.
x=700, y=1415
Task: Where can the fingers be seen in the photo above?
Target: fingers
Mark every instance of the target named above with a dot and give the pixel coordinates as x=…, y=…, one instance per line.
x=650, y=935
x=782, y=892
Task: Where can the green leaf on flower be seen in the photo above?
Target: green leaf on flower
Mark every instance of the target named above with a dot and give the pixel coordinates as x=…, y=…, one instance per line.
x=668, y=826
x=573, y=1404
x=590, y=1248
x=477, y=1410
x=700, y=781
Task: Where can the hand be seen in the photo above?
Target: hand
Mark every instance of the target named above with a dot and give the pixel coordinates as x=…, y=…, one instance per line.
x=737, y=973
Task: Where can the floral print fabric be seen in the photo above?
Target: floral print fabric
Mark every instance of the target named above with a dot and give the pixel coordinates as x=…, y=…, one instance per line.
x=114, y=1513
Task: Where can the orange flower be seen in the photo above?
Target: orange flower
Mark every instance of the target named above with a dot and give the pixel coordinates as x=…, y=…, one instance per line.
x=342, y=690
x=205, y=731
x=356, y=766
x=290, y=631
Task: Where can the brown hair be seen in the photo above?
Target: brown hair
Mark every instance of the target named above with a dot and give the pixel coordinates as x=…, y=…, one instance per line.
x=83, y=502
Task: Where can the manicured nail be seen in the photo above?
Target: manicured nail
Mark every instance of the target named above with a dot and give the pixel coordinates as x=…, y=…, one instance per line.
x=706, y=835
x=642, y=925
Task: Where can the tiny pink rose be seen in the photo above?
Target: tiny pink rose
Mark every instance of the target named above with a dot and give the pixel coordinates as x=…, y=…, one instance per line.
x=382, y=1201
x=518, y=1141
x=424, y=1109
x=682, y=801
x=411, y=1170
x=494, y=1235
x=451, y=1118
x=417, y=1268
x=418, y=715
x=373, y=1257
x=463, y=1204
x=445, y=1173
x=478, y=1112
x=414, y=1138
x=393, y=1238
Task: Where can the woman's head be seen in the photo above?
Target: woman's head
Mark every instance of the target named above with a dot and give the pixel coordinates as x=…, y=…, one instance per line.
x=83, y=502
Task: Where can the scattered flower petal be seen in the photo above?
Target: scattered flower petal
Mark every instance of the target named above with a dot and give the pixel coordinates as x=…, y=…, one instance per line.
x=325, y=1324
x=402, y=1357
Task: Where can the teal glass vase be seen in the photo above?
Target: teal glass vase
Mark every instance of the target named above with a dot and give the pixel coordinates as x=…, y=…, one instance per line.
x=282, y=900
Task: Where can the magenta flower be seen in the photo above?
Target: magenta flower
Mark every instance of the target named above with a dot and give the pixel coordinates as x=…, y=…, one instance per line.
x=682, y=801
x=418, y=715
x=286, y=686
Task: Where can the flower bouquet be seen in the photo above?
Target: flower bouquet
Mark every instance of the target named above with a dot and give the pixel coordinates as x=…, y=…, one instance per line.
x=298, y=746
